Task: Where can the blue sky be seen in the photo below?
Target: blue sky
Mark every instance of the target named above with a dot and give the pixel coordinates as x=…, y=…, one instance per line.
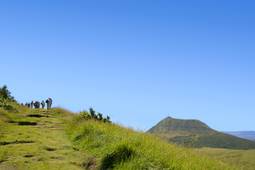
x=138, y=61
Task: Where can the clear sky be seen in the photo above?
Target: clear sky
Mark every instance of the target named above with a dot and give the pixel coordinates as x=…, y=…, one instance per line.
x=136, y=60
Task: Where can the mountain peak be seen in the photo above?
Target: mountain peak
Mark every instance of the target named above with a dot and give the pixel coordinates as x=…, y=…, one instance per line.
x=194, y=133
x=168, y=117
x=170, y=124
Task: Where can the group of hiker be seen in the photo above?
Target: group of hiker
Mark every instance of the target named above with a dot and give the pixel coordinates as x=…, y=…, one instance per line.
x=37, y=104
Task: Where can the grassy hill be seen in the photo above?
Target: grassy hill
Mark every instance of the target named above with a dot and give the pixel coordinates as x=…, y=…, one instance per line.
x=194, y=133
x=32, y=139
x=57, y=139
x=250, y=135
x=243, y=159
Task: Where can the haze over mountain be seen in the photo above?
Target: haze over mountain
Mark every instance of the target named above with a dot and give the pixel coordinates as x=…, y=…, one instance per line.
x=250, y=135
x=194, y=133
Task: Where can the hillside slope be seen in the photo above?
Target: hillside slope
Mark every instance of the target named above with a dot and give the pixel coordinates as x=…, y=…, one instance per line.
x=194, y=133
x=250, y=135
x=36, y=140
x=56, y=139
x=243, y=159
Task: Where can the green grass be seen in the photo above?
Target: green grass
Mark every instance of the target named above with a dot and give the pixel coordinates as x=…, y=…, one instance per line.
x=242, y=159
x=61, y=140
x=44, y=146
x=138, y=150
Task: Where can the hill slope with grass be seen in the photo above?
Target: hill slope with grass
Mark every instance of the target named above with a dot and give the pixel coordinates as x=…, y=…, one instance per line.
x=57, y=139
x=33, y=139
x=243, y=159
x=194, y=133
x=250, y=135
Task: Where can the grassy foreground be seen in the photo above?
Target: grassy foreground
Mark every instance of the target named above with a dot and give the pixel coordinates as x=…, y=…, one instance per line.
x=36, y=143
x=243, y=159
x=57, y=139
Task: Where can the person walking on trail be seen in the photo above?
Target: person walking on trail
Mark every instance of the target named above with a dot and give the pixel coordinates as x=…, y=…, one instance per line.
x=43, y=104
x=49, y=103
x=32, y=104
x=36, y=105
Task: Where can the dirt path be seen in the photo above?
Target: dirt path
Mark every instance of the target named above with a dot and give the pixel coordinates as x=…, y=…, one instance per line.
x=38, y=142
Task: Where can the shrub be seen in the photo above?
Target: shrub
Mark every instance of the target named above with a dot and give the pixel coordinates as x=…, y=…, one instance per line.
x=84, y=115
x=121, y=154
x=92, y=114
x=6, y=105
x=6, y=94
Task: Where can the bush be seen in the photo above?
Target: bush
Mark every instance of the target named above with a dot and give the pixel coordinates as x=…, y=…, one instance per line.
x=84, y=115
x=121, y=154
x=6, y=94
x=92, y=114
x=6, y=105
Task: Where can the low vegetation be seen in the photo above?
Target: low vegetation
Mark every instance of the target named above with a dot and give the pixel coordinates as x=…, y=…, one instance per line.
x=93, y=144
x=92, y=114
x=242, y=159
x=6, y=94
x=58, y=139
x=29, y=143
x=121, y=148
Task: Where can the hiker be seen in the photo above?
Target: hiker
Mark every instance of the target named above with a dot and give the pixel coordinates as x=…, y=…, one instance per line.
x=32, y=104
x=43, y=104
x=36, y=105
x=49, y=103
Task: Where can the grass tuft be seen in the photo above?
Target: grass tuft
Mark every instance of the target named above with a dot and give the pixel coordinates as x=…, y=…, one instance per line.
x=121, y=154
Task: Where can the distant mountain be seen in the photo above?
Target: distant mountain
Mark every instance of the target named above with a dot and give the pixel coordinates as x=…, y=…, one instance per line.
x=194, y=133
x=250, y=135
